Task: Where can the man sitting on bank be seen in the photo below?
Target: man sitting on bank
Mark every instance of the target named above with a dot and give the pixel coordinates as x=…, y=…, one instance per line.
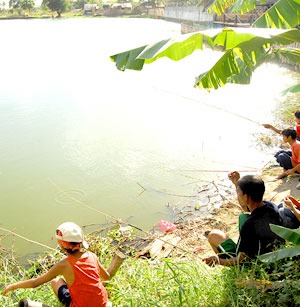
x=256, y=237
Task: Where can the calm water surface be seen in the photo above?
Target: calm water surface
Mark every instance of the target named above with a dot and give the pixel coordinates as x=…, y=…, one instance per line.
x=68, y=118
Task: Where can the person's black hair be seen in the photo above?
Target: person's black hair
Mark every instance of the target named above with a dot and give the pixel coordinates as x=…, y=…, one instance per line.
x=289, y=132
x=253, y=186
x=71, y=251
x=297, y=114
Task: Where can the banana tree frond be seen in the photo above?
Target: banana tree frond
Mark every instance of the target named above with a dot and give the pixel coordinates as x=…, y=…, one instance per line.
x=235, y=66
x=292, y=89
x=171, y=48
x=244, y=52
x=285, y=14
x=220, y=6
x=291, y=235
x=286, y=55
x=244, y=6
x=280, y=254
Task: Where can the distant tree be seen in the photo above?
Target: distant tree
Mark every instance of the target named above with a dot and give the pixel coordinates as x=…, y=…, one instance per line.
x=15, y=4
x=58, y=6
x=27, y=5
x=78, y=4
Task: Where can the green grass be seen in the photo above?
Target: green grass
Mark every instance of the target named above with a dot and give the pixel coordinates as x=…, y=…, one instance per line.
x=168, y=282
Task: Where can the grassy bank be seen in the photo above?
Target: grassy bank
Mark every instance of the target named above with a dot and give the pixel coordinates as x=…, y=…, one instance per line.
x=169, y=282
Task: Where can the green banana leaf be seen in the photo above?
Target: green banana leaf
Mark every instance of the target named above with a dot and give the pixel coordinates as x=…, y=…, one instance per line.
x=280, y=254
x=292, y=89
x=285, y=14
x=220, y=6
x=244, y=52
x=291, y=235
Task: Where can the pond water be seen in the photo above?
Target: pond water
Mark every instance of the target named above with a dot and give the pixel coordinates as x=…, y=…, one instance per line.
x=72, y=123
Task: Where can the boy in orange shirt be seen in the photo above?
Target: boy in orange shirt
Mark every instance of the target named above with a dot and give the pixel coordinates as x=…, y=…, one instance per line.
x=297, y=127
x=290, y=163
x=81, y=270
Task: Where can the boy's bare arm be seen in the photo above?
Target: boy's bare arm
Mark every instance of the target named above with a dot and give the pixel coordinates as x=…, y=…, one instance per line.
x=268, y=126
x=289, y=204
x=234, y=177
x=35, y=282
x=213, y=260
x=104, y=274
x=293, y=170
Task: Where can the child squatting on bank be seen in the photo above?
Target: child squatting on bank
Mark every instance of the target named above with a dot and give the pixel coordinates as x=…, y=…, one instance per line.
x=82, y=272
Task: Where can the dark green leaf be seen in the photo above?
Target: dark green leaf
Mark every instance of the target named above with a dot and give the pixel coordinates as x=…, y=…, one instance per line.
x=291, y=235
x=280, y=254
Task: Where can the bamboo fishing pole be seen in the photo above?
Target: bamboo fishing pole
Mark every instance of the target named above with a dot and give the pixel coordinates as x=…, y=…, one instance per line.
x=28, y=240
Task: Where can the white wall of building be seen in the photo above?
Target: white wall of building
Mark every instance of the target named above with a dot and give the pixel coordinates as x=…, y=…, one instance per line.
x=188, y=13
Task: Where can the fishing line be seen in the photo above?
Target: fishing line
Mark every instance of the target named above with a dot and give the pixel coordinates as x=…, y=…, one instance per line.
x=233, y=164
x=120, y=221
x=163, y=192
x=213, y=171
x=28, y=240
x=208, y=105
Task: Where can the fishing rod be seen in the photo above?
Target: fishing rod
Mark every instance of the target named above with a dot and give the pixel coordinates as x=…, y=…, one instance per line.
x=26, y=239
x=118, y=220
x=208, y=105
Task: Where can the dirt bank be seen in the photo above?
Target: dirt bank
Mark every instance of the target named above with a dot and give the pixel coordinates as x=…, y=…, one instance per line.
x=194, y=232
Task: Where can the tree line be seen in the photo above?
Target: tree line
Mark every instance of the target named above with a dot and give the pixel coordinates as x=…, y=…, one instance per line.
x=58, y=6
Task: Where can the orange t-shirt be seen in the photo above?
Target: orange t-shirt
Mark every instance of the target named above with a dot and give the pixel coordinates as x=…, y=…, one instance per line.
x=298, y=131
x=87, y=289
x=295, y=153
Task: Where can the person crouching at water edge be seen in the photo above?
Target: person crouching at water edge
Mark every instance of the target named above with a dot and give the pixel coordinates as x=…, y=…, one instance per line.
x=289, y=160
x=256, y=237
x=81, y=270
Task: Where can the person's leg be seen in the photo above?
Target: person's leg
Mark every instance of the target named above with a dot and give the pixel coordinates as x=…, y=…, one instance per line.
x=284, y=159
x=56, y=283
x=61, y=290
x=215, y=238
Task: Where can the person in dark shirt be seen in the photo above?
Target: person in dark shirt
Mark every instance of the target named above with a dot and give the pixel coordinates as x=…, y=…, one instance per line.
x=256, y=237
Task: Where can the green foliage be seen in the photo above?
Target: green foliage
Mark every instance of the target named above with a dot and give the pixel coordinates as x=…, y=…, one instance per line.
x=220, y=6
x=291, y=235
x=237, y=64
x=169, y=283
x=292, y=89
x=244, y=52
x=58, y=6
x=14, y=4
x=184, y=282
x=27, y=4
x=285, y=14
